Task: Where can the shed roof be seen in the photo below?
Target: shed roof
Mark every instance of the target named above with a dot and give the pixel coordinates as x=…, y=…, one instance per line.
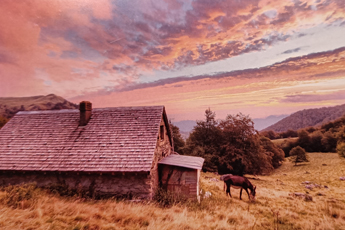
x=183, y=161
x=119, y=139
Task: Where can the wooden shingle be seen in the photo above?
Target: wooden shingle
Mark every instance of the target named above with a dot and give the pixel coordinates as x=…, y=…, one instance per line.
x=119, y=139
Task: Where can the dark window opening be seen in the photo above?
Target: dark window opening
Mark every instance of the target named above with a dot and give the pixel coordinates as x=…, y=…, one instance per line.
x=162, y=132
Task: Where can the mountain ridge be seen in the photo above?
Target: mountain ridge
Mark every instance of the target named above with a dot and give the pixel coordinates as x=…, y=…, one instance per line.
x=308, y=117
x=9, y=106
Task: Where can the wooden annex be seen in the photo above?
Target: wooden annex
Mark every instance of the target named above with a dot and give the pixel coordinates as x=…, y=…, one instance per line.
x=181, y=175
x=104, y=151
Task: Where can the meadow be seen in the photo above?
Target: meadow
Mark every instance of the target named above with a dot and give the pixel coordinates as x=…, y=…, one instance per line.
x=275, y=207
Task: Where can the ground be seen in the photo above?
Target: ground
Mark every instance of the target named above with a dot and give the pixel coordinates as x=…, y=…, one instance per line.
x=275, y=206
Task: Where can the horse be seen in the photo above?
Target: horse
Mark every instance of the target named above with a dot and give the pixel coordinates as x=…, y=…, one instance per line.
x=239, y=182
x=224, y=177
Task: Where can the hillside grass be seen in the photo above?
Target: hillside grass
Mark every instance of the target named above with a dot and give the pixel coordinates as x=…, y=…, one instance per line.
x=282, y=140
x=275, y=207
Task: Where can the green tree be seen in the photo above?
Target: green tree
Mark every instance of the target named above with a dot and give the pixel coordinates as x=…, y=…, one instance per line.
x=316, y=142
x=204, y=141
x=304, y=140
x=298, y=154
x=179, y=143
x=241, y=150
x=276, y=154
x=329, y=142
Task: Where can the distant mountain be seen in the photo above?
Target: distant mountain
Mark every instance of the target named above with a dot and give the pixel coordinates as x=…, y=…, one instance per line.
x=185, y=125
x=261, y=123
x=308, y=117
x=9, y=106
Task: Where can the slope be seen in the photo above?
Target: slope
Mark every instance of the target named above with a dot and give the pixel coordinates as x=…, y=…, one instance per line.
x=308, y=117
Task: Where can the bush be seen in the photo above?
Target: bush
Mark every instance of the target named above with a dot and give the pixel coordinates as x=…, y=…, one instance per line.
x=341, y=149
x=20, y=196
x=167, y=199
x=298, y=154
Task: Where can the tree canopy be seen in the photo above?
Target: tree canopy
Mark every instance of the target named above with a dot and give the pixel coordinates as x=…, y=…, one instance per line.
x=232, y=146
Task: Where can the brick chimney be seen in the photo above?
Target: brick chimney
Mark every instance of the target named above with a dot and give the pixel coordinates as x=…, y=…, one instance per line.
x=85, y=108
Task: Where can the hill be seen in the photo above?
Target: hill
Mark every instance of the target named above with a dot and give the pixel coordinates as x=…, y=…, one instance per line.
x=261, y=123
x=308, y=117
x=11, y=105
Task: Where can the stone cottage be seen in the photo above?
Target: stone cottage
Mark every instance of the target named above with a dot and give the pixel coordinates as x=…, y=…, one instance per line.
x=106, y=151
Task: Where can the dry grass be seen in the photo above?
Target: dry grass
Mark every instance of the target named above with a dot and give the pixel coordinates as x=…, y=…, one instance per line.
x=282, y=140
x=274, y=208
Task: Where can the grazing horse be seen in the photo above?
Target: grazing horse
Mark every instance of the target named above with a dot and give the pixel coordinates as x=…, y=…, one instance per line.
x=239, y=182
x=224, y=177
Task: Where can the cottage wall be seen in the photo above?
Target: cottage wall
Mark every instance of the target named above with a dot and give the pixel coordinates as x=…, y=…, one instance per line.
x=180, y=180
x=136, y=185
x=163, y=149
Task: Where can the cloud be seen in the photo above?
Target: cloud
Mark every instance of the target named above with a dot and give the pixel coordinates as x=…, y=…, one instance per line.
x=292, y=51
x=302, y=98
x=290, y=67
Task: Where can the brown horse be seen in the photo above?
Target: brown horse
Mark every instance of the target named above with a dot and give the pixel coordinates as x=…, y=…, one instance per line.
x=239, y=182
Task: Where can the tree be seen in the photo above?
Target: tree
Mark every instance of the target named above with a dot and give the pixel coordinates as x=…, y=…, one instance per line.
x=270, y=134
x=329, y=142
x=298, y=154
x=232, y=146
x=316, y=142
x=204, y=141
x=179, y=143
x=304, y=140
x=275, y=153
x=241, y=150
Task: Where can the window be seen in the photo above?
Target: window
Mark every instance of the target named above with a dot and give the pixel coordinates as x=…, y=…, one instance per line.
x=162, y=132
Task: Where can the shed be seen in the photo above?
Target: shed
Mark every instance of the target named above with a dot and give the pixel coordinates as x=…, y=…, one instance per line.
x=105, y=151
x=181, y=174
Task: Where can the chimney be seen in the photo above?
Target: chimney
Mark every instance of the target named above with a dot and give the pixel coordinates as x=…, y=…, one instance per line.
x=85, y=108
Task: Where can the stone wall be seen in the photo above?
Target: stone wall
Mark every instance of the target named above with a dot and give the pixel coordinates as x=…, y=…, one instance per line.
x=163, y=149
x=132, y=185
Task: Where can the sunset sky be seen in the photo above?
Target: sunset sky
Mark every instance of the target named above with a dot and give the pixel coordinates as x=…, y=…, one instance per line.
x=257, y=57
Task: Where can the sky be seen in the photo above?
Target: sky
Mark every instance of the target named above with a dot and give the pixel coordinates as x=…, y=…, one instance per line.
x=257, y=57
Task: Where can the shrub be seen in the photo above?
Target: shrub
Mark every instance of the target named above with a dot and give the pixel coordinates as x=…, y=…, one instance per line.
x=298, y=154
x=341, y=149
x=167, y=199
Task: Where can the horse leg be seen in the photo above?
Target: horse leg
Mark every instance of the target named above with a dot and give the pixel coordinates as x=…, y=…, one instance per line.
x=247, y=193
x=228, y=188
x=241, y=194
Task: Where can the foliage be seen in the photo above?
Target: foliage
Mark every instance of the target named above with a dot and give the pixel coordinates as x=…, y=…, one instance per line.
x=179, y=143
x=341, y=149
x=20, y=196
x=3, y=121
x=205, y=141
x=270, y=134
x=275, y=153
x=288, y=133
x=298, y=155
x=304, y=140
x=232, y=146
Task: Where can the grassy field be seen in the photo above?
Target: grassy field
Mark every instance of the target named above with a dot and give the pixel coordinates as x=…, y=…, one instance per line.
x=275, y=207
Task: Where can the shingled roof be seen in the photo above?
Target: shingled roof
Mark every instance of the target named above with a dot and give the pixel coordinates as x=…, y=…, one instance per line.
x=119, y=139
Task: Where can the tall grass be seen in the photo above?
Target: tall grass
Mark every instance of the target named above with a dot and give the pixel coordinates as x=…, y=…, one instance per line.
x=274, y=208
